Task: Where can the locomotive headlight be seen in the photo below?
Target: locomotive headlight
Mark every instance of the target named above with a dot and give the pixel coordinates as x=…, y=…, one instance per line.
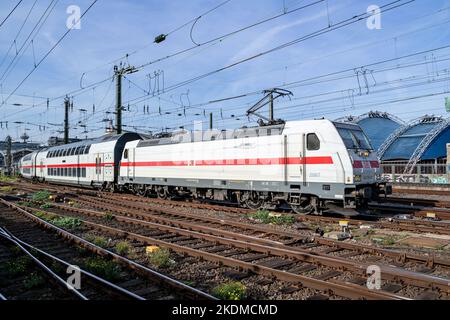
x=364, y=154
x=357, y=178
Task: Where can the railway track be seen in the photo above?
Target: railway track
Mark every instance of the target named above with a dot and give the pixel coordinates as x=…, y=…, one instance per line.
x=420, y=189
x=420, y=223
x=416, y=225
x=51, y=269
x=339, y=268
x=419, y=202
x=133, y=282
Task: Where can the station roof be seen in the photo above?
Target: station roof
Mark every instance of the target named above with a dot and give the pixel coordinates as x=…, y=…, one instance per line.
x=377, y=125
x=422, y=139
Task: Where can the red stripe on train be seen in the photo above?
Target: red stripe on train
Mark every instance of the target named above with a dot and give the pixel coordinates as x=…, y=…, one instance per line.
x=72, y=165
x=223, y=162
x=232, y=162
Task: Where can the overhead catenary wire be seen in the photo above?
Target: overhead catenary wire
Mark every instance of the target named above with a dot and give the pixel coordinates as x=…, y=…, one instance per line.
x=14, y=42
x=308, y=80
x=10, y=13
x=47, y=12
x=50, y=51
x=385, y=8
x=198, y=17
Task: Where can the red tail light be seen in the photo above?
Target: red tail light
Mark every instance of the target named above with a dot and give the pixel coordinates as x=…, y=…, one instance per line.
x=357, y=164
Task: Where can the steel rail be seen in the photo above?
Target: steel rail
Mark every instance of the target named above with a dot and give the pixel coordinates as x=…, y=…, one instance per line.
x=46, y=269
x=278, y=249
x=401, y=257
x=84, y=272
x=162, y=279
x=389, y=273
x=340, y=288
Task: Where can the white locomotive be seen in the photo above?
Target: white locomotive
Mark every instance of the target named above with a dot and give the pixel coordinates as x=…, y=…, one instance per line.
x=309, y=165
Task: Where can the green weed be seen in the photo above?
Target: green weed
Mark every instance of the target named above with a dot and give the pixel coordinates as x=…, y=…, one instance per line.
x=67, y=223
x=267, y=217
x=123, y=248
x=230, y=291
x=41, y=196
x=34, y=280
x=103, y=268
x=160, y=258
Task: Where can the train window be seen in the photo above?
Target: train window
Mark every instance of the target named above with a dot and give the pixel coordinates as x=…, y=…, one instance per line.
x=125, y=154
x=86, y=151
x=69, y=172
x=79, y=150
x=58, y=171
x=312, y=142
x=83, y=172
x=74, y=172
x=78, y=172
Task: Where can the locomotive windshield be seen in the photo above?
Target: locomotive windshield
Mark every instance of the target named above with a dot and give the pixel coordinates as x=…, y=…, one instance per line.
x=354, y=139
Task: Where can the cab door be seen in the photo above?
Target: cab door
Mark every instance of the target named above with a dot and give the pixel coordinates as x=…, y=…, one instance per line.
x=295, y=154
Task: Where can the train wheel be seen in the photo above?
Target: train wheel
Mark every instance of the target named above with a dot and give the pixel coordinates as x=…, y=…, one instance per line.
x=253, y=201
x=302, y=210
x=162, y=193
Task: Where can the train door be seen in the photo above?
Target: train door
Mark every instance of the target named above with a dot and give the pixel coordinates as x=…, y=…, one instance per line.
x=99, y=167
x=130, y=168
x=108, y=167
x=294, y=153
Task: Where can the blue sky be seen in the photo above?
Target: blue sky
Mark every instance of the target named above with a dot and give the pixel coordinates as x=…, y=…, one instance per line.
x=408, y=87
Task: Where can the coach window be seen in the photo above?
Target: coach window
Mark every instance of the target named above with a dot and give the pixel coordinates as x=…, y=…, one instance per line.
x=86, y=151
x=83, y=172
x=312, y=142
x=125, y=154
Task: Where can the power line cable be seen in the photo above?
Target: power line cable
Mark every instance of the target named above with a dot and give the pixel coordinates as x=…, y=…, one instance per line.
x=50, y=51
x=18, y=33
x=10, y=13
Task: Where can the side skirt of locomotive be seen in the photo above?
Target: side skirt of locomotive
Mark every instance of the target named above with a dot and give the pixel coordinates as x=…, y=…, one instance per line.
x=310, y=198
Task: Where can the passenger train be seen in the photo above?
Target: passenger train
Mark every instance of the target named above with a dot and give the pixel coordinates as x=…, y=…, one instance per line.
x=310, y=166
